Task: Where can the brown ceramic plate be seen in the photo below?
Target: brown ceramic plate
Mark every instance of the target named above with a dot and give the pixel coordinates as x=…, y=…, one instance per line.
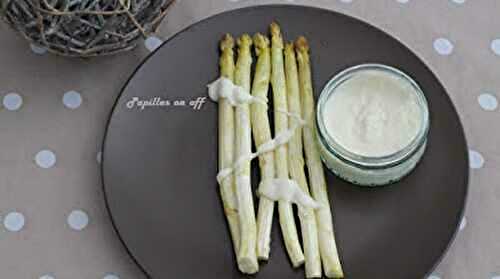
x=160, y=163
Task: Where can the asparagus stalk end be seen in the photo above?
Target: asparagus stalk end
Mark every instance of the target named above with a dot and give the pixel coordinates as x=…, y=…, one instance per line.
x=248, y=265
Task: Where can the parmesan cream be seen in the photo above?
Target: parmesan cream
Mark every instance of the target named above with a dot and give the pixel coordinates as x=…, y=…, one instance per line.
x=286, y=190
x=373, y=114
x=274, y=189
x=234, y=94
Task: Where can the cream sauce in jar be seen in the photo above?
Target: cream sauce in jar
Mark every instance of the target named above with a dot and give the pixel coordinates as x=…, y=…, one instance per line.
x=373, y=114
x=373, y=122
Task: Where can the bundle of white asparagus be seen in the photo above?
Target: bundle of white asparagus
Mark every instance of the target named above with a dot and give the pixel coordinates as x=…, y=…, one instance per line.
x=243, y=113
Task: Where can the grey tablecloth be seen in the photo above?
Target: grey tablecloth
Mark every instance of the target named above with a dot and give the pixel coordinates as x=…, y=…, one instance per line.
x=53, y=114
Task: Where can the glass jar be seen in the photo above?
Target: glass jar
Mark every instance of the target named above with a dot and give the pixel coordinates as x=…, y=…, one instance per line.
x=364, y=170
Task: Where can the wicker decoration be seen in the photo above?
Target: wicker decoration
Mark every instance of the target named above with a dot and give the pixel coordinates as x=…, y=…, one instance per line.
x=84, y=28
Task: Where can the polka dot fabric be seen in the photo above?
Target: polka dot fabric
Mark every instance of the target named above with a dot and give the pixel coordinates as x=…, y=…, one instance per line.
x=14, y=221
x=45, y=159
x=12, y=101
x=53, y=113
x=72, y=99
x=78, y=220
x=152, y=43
x=443, y=46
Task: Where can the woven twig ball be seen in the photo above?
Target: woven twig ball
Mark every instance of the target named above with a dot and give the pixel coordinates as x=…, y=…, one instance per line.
x=84, y=27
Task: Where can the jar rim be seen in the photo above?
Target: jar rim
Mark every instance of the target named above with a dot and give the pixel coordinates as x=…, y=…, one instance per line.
x=371, y=161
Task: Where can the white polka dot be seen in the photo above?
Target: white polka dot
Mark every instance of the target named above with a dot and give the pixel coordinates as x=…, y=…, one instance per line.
x=14, y=221
x=111, y=276
x=78, y=220
x=463, y=224
x=476, y=160
x=458, y=1
x=38, y=49
x=99, y=157
x=433, y=277
x=152, y=43
x=487, y=101
x=72, y=99
x=45, y=159
x=403, y=1
x=12, y=101
x=443, y=46
x=495, y=46
x=47, y=277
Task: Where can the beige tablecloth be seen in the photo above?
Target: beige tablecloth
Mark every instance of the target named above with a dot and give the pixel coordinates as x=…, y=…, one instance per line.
x=53, y=114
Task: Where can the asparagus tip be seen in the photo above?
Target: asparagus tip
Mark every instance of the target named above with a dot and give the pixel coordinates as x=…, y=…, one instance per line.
x=261, y=42
x=275, y=28
x=276, y=36
x=301, y=44
x=227, y=42
x=289, y=47
x=244, y=41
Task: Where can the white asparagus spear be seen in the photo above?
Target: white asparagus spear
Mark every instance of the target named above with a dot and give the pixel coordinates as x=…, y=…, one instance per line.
x=247, y=254
x=296, y=167
x=262, y=133
x=328, y=247
x=287, y=221
x=226, y=142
